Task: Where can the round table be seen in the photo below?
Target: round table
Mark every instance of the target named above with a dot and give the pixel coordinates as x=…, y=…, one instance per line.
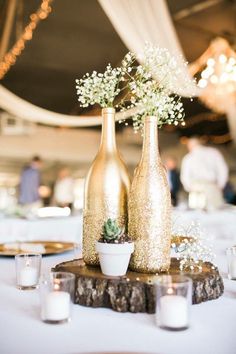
x=212, y=330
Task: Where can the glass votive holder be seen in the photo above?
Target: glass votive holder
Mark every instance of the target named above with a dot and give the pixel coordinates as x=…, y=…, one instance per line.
x=231, y=259
x=173, y=302
x=57, y=295
x=78, y=250
x=27, y=270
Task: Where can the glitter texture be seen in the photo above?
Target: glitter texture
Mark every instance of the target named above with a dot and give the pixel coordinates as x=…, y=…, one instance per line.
x=150, y=208
x=106, y=189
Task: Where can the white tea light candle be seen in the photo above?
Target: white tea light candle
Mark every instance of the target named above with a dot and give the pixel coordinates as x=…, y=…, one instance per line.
x=173, y=311
x=57, y=293
x=28, y=276
x=56, y=306
x=173, y=301
x=27, y=270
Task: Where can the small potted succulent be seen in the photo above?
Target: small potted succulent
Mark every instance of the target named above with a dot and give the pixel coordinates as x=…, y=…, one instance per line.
x=114, y=249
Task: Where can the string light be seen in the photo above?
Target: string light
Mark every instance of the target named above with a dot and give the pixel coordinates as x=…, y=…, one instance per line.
x=11, y=57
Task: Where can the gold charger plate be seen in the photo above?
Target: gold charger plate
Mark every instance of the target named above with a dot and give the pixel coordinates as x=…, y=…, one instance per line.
x=178, y=239
x=43, y=247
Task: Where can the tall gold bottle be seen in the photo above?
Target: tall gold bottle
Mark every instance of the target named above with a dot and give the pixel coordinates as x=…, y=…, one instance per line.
x=150, y=207
x=106, y=189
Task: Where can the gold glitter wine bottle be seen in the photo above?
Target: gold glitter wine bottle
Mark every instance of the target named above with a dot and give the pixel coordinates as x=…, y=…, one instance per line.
x=150, y=207
x=106, y=189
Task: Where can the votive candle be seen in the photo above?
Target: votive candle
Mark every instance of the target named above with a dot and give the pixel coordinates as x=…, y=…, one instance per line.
x=27, y=270
x=57, y=306
x=173, y=311
x=57, y=292
x=28, y=276
x=173, y=301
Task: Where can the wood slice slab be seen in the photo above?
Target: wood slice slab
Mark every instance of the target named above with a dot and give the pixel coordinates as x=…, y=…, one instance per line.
x=135, y=292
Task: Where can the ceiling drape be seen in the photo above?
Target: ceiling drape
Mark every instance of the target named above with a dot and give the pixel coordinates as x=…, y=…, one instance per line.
x=142, y=21
x=28, y=111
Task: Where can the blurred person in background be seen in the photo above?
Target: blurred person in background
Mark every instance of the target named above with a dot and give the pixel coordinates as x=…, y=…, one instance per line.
x=173, y=178
x=29, y=184
x=204, y=171
x=229, y=194
x=64, y=189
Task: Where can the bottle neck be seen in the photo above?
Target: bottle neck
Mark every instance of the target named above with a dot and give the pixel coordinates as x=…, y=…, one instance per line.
x=150, y=149
x=108, y=138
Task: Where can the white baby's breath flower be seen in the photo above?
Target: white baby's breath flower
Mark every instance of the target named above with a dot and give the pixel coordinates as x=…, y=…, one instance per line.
x=193, y=251
x=153, y=85
x=149, y=87
x=102, y=88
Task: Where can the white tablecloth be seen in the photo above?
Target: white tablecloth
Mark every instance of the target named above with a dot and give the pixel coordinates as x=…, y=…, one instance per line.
x=212, y=330
x=218, y=224
x=67, y=229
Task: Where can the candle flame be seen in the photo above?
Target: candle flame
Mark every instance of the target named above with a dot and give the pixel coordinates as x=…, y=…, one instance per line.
x=170, y=291
x=56, y=284
x=56, y=287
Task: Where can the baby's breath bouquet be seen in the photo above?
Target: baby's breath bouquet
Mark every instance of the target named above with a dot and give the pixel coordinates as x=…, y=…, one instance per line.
x=149, y=87
x=152, y=88
x=103, y=88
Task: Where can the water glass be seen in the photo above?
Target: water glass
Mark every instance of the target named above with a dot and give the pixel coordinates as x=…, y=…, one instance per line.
x=78, y=250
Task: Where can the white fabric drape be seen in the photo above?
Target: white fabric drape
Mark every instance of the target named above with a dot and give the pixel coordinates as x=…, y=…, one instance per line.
x=28, y=111
x=136, y=22
x=140, y=21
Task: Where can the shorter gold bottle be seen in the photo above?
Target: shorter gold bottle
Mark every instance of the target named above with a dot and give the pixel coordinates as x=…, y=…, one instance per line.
x=106, y=189
x=150, y=208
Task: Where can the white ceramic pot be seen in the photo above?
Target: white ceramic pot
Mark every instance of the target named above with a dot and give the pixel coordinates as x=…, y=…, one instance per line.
x=114, y=258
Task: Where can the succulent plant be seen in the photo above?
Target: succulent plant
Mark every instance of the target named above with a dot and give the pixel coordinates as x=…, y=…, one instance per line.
x=112, y=233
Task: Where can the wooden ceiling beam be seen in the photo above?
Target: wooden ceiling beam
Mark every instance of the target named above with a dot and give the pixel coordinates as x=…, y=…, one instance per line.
x=191, y=10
